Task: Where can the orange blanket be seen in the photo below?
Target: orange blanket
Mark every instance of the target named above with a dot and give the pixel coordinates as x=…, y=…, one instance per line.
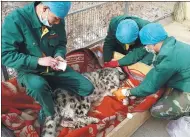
x=19, y=111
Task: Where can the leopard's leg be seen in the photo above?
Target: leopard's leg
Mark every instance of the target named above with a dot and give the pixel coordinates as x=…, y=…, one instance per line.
x=84, y=121
x=50, y=125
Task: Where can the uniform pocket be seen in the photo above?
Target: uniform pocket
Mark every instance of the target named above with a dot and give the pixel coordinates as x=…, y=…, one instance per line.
x=34, y=49
x=53, y=42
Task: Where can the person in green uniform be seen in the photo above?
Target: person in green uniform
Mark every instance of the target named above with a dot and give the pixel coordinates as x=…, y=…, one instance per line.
x=171, y=70
x=33, y=41
x=122, y=37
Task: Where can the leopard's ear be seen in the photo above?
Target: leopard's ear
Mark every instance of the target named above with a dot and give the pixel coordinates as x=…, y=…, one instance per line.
x=122, y=75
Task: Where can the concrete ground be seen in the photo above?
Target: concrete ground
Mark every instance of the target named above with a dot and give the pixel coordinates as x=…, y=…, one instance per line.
x=152, y=128
x=180, y=31
x=155, y=127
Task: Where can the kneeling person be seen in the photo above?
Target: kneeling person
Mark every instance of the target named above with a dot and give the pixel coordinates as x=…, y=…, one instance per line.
x=171, y=70
x=123, y=37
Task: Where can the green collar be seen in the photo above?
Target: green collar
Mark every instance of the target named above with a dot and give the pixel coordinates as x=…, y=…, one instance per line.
x=169, y=41
x=167, y=45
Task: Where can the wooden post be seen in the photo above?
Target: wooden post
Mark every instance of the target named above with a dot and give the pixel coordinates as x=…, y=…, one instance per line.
x=126, y=9
x=187, y=10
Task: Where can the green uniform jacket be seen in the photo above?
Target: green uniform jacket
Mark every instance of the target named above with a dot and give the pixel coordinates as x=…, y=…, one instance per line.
x=23, y=43
x=171, y=68
x=135, y=52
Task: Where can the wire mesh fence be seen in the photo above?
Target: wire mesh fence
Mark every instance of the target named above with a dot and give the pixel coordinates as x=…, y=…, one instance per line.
x=91, y=23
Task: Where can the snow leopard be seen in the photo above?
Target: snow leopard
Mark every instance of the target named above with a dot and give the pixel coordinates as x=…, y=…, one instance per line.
x=71, y=109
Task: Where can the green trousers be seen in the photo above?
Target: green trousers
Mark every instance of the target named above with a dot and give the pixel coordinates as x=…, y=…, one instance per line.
x=172, y=105
x=40, y=86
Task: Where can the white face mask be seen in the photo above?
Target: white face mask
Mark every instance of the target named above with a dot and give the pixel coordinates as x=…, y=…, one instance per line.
x=45, y=21
x=150, y=50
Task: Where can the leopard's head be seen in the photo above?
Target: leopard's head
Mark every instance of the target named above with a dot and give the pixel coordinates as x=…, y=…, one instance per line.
x=114, y=73
x=122, y=75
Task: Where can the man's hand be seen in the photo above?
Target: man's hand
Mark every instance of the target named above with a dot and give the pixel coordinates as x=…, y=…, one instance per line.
x=58, y=58
x=122, y=93
x=48, y=62
x=111, y=64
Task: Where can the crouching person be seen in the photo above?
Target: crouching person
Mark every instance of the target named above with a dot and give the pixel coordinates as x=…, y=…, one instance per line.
x=123, y=37
x=171, y=70
x=33, y=42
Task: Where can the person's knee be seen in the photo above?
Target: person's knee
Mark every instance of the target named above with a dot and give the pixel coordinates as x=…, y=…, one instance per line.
x=158, y=111
x=38, y=88
x=167, y=114
x=90, y=88
x=154, y=112
x=87, y=89
x=37, y=84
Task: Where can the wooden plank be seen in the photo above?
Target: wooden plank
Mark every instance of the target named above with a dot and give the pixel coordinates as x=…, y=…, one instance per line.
x=128, y=126
x=188, y=11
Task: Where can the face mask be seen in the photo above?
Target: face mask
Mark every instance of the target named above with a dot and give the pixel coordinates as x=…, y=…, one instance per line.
x=45, y=21
x=150, y=50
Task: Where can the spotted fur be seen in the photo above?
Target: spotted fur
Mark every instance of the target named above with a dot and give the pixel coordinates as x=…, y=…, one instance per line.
x=71, y=109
